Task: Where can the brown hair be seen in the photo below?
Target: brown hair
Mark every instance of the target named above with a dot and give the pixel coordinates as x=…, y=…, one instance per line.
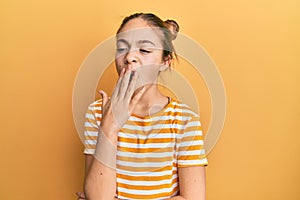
x=169, y=29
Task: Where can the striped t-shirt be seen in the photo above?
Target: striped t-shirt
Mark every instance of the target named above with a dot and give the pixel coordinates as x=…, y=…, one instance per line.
x=150, y=149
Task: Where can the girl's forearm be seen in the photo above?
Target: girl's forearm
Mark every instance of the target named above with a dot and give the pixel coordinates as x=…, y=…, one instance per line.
x=100, y=181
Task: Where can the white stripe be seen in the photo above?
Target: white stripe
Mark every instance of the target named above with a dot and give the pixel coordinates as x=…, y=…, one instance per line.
x=147, y=192
x=92, y=142
x=191, y=143
x=179, y=104
x=89, y=151
x=157, y=165
x=185, y=106
x=98, y=115
x=193, y=123
x=99, y=101
x=143, y=155
x=97, y=107
x=192, y=133
x=131, y=173
x=193, y=162
x=191, y=153
x=89, y=124
x=91, y=133
x=147, y=136
x=146, y=183
x=90, y=116
x=156, y=126
x=180, y=110
x=144, y=146
x=154, y=119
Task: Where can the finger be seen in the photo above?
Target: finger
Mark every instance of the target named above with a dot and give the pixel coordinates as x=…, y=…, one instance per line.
x=136, y=98
x=116, y=90
x=104, y=97
x=124, y=84
x=131, y=86
x=104, y=100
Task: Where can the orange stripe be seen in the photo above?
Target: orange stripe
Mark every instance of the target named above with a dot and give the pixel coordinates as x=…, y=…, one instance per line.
x=146, y=178
x=91, y=146
x=154, y=196
x=89, y=120
x=158, y=131
x=191, y=157
x=87, y=128
x=88, y=137
x=146, y=150
x=193, y=165
x=191, y=138
x=144, y=169
x=147, y=187
x=146, y=159
x=193, y=128
x=151, y=123
x=179, y=114
x=191, y=148
x=145, y=141
x=98, y=111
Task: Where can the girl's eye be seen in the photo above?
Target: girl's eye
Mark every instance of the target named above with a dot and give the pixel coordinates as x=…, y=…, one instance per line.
x=145, y=51
x=121, y=50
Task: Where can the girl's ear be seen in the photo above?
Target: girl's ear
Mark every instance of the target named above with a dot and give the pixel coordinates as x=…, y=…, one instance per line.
x=166, y=63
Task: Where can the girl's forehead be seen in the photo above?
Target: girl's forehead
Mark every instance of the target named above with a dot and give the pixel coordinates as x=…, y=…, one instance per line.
x=141, y=34
x=135, y=24
x=138, y=29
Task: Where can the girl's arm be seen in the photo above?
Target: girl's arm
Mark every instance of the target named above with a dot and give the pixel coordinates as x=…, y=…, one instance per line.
x=100, y=181
x=88, y=163
x=192, y=183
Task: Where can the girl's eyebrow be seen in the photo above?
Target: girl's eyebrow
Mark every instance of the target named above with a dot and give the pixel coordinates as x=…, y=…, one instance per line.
x=122, y=40
x=139, y=42
x=145, y=41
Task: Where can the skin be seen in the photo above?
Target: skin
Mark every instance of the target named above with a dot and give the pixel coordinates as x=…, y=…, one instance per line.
x=138, y=51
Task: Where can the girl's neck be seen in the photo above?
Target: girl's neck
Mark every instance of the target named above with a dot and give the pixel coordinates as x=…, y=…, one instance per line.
x=151, y=102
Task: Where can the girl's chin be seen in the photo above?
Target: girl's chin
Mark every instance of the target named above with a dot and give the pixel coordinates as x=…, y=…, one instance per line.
x=142, y=82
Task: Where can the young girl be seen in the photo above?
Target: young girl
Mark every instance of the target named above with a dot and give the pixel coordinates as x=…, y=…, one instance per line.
x=141, y=144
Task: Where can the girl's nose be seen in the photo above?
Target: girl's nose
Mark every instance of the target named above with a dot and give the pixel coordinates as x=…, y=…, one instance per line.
x=131, y=58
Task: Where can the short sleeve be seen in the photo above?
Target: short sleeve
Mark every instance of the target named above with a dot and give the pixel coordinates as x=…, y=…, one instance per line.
x=91, y=127
x=190, y=147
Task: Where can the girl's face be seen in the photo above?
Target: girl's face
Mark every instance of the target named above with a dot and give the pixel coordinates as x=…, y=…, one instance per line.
x=139, y=48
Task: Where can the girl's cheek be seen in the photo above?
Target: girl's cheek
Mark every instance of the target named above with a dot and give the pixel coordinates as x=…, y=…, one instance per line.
x=119, y=69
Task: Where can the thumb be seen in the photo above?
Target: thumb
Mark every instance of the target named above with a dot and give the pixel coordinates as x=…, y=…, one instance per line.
x=104, y=97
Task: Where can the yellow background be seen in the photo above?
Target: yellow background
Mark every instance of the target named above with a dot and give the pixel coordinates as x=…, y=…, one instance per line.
x=255, y=44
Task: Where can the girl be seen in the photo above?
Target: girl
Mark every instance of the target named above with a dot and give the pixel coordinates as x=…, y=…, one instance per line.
x=141, y=144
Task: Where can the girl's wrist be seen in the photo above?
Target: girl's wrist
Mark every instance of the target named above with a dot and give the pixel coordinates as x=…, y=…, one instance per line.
x=106, y=150
x=109, y=134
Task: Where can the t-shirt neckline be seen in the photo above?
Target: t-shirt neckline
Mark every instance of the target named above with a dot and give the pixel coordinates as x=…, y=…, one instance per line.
x=170, y=101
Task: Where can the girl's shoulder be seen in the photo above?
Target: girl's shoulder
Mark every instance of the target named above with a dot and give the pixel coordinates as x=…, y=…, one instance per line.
x=180, y=107
x=96, y=105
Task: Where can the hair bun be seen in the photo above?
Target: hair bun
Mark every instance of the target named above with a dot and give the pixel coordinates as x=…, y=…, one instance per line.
x=173, y=27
